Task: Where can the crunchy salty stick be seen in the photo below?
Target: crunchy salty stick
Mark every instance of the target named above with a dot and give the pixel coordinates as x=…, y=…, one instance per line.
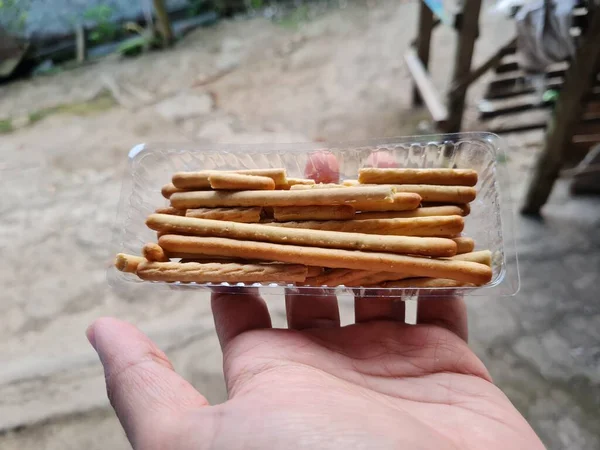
x=238, y=181
x=337, y=212
x=314, y=271
x=447, y=177
x=350, y=183
x=200, y=199
x=335, y=258
x=217, y=273
x=337, y=277
x=170, y=210
x=404, y=201
x=429, y=246
x=154, y=252
x=465, y=207
x=418, y=226
x=297, y=181
x=464, y=244
x=303, y=187
x=372, y=279
x=169, y=189
x=245, y=215
x=196, y=180
x=481, y=257
x=448, y=210
x=435, y=193
x=128, y=263
x=427, y=283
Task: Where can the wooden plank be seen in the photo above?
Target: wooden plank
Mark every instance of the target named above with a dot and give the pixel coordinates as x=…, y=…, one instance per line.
x=422, y=43
x=424, y=84
x=578, y=81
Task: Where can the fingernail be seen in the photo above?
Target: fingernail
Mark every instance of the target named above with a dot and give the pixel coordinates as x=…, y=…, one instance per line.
x=91, y=336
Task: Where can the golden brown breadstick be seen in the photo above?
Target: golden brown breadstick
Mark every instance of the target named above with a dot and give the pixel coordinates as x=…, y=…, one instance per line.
x=218, y=273
x=153, y=252
x=195, y=180
x=427, y=283
x=464, y=244
x=303, y=187
x=337, y=277
x=404, y=201
x=435, y=193
x=314, y=271
x=418, y=226
x=448, y=210
x=169, y=189
x=481, y=257
x=245, y=215
x=237, y=181
x=128, y=263
x=447, y=177
x=170, y=210
x=350, y=183
x=426, y=246
x=464, y=207
x=337, y=212
x=296, y=181
x=419, y=267
x=200, y=199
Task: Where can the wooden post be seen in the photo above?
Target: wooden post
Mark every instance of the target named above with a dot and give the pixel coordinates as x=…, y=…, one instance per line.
x=423, y=43
x=164, y=23
x=467, y=34
x=80, y=43
x=579, y=79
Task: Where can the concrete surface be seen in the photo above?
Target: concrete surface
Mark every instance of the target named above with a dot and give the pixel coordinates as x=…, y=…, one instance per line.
x=340, y=76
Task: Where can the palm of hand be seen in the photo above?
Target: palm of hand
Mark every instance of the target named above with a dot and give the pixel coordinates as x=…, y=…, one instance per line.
x=376, y=384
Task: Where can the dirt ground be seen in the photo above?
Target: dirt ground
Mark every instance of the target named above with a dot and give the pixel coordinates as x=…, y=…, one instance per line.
x=339, y=76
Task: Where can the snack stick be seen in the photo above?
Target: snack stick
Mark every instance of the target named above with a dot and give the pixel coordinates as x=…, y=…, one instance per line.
x=154, y=252
x=169, y=189
x=170, y=210
x=246, y=215
x=203, y=199
x=289, y=213
x=426, y=246
x=446, y=177
x=372, y=279
x=199, y=180
x=314, y=271
x=336, y=277
x=297, y=181
x=237, y=181
x=303, y=187
x=128, y=263
x=449, y=210
x=350, y=183
x=435, y=193
x=481, y=257
x=419, y=226
x=404, y=201
x=464, y=244
x=334, y=258
x=427, y=283
x=465, y=207
x=218, y=273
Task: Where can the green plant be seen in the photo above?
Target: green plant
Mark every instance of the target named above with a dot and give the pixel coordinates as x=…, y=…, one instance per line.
x=104, y=29
x=13, y=15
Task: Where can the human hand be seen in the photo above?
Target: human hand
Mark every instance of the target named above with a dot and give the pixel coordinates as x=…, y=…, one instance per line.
x=377, y=384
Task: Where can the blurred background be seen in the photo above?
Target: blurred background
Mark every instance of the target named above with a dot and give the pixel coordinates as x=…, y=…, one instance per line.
x=81, y=82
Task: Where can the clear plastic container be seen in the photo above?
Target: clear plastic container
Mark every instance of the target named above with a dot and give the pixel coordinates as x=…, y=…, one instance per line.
x=490, y=222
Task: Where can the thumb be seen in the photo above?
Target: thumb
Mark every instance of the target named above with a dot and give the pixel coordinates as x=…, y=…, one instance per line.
x=144, y=390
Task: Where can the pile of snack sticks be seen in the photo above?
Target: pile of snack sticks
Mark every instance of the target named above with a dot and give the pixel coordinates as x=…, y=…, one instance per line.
x=390, y=228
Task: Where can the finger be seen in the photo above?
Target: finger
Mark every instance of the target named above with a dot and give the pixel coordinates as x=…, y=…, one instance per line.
x=447, y=311
x=377, y=306
x=141, y=384
x=312, y=308
x=236, y=312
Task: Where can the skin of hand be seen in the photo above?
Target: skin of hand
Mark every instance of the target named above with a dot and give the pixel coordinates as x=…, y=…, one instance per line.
x=376, y=384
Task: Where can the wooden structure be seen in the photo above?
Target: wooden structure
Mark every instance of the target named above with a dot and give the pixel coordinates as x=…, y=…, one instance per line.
x=447, y=114
x=580, y=78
